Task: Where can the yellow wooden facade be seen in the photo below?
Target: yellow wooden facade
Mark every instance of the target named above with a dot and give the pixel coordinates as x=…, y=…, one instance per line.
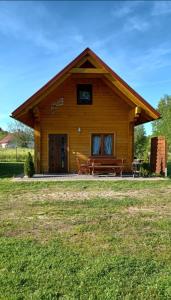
x=107, y=114
x=116, y=108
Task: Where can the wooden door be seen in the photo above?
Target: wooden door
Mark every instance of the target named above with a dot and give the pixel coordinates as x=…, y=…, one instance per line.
x=58, y=153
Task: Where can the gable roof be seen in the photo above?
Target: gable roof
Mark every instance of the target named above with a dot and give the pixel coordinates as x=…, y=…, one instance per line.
x=74, y=67
x=7, y=139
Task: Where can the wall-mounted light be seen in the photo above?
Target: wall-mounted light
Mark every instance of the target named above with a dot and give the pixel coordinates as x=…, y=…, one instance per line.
x=79, y=130
x=137, y=110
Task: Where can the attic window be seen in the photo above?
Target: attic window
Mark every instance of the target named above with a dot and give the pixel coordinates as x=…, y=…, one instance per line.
x=84, y=94
x=87, y=64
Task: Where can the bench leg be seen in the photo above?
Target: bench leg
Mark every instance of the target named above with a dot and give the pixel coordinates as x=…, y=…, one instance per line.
x=114, y=172
x=93, y=168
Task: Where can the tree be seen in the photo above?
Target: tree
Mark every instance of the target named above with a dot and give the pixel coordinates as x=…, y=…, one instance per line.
x=23, y=134
x=162, y=126
x=3, y=133
x=29, y=166
x=140, y=142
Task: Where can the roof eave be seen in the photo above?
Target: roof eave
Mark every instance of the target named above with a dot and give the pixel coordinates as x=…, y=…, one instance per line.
x=30, y=101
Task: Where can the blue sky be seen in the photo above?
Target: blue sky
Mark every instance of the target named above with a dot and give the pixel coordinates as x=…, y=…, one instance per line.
x=37, y=39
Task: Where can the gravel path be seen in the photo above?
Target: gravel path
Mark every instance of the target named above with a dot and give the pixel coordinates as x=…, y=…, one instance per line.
x=76, y=177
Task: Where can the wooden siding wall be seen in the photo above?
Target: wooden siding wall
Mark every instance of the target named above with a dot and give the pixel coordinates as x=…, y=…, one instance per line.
x=107, y=114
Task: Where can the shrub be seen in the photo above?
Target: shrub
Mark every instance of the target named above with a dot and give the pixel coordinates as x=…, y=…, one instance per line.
x=145, y=169
x=29, y=166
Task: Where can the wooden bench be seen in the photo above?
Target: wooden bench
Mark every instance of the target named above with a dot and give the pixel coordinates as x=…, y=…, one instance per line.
x=105, y=165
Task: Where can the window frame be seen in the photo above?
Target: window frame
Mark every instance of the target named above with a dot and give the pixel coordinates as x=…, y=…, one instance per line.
x=89, y=88
x=102, y=135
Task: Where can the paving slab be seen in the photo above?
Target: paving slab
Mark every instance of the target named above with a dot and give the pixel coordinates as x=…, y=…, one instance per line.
x=76, y=177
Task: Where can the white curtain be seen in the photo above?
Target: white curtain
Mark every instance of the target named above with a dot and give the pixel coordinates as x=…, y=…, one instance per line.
x=96, y=144
x=108, y=144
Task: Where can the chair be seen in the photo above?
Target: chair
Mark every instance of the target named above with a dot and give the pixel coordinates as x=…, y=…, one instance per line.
x=82, y=168
x=136, y=167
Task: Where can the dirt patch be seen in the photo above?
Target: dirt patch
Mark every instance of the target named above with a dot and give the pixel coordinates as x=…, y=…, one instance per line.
x=45, y=195
x=135, y=209
x=156, y=210
x=165, y=190
x=54, y=194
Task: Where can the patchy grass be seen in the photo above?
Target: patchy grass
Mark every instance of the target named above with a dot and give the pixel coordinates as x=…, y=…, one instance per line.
x=85, y=240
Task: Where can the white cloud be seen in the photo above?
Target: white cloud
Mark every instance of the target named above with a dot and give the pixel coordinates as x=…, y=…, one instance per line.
x=137, y=24
x=161, y=8
x=15, y=26
x=132, y=20
x=78, y=38
x=50, y=37
x=149, y=62
x=122, y=11
x=154, y=58
x=8, y=25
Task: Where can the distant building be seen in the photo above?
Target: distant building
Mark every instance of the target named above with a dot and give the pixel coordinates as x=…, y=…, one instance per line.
x=8, y=141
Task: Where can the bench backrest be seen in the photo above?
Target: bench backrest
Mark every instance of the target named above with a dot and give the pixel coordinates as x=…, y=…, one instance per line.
x=105, y=161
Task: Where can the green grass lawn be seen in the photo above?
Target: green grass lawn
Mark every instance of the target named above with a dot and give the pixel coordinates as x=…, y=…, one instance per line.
x=85, y=240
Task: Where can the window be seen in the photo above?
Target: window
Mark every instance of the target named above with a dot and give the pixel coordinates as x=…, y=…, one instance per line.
x=102, y=144
x=84, y=94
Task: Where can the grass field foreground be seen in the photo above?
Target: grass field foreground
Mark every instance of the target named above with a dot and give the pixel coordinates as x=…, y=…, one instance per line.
x=85, y=240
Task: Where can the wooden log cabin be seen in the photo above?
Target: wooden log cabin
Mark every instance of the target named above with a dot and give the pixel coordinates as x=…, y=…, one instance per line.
x=85, y=110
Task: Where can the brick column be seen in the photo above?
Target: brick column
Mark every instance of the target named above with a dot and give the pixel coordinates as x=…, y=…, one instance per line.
x=158, y=157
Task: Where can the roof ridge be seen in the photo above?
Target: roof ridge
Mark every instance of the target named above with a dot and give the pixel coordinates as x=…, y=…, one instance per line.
x=67, y=68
